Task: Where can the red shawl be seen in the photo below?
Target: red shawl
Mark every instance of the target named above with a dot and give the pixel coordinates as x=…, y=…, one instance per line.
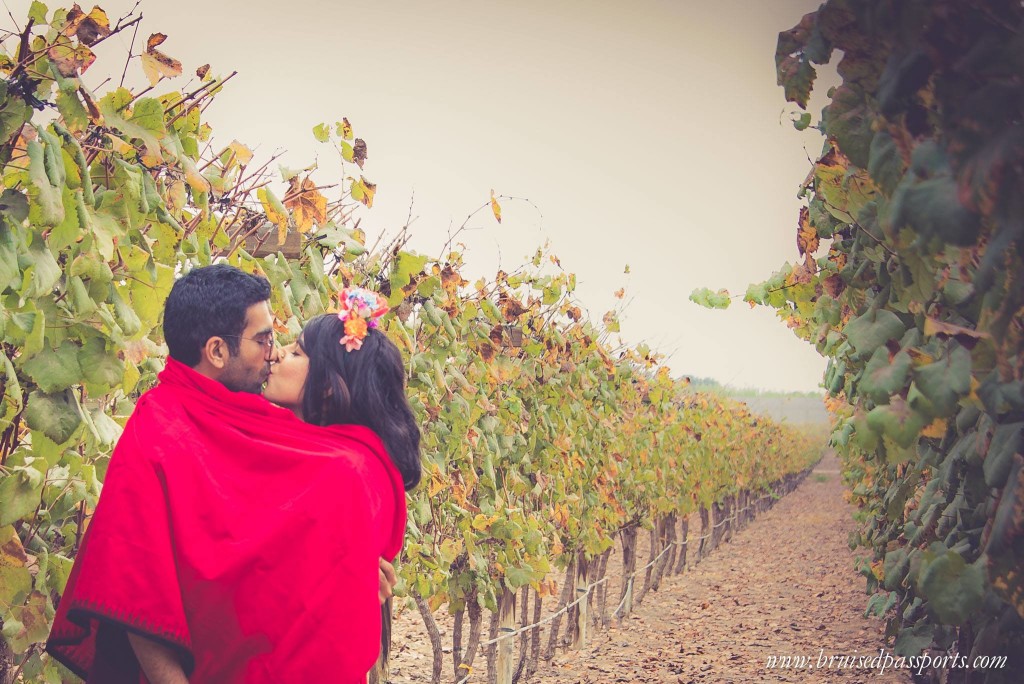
x=232, y=531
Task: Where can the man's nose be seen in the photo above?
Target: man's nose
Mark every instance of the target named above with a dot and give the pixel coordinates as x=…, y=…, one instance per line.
x=275, y=353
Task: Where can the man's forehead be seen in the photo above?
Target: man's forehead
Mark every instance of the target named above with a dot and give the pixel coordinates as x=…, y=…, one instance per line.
x=259, y=317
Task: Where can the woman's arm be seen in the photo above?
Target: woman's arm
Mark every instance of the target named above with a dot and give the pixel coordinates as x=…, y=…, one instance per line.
x=159, y=662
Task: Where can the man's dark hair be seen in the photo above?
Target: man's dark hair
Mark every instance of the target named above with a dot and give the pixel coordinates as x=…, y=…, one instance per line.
x=365, y=386
x=209, y=302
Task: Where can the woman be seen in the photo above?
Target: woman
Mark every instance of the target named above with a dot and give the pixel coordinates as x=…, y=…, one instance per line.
x=234, y=543
x=343, y=371
x=340, y=372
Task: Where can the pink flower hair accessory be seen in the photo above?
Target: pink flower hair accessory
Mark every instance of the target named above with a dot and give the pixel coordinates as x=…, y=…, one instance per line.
x=359, y=310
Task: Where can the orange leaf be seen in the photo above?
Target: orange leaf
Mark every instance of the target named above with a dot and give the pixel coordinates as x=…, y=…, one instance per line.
x=306, y=203
x=806, y=234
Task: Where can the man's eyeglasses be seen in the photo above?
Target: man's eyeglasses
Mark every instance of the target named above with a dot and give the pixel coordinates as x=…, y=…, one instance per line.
x=267, y=342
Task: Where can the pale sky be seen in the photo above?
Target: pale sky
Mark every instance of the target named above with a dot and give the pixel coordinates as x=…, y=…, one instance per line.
x=646, y=133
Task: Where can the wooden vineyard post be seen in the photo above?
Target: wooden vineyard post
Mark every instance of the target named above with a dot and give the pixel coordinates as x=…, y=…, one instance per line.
x=505, y=664
x=582, y=589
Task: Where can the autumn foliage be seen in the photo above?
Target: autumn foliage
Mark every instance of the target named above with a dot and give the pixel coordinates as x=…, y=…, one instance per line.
x=542, y=441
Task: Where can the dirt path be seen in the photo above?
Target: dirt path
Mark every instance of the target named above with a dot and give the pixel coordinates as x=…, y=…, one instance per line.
x=784, y=586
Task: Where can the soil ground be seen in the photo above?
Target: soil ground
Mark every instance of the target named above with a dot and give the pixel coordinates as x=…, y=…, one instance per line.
x=783, y=586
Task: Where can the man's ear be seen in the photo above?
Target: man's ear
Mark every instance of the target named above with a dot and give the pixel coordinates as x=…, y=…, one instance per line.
x=215, y=352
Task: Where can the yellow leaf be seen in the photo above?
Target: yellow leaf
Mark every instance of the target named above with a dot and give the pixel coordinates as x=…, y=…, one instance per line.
x=482, y=522
x=275, y=211
x=243, y=155
x=121, y=147
x=156, y=64
x=196, y=180
x=345, y=129
x=878, y=568
x=495, y=207
x=366, y=191
x=937, y=430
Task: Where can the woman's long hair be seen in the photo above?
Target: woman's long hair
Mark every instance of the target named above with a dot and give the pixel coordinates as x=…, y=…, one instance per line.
x=365, y=386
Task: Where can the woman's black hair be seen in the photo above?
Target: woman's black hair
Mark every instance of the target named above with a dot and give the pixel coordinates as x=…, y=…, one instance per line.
x=365, y=386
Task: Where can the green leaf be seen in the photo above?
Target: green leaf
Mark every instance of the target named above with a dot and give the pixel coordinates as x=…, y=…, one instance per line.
x=897, y=562
x=14, y=204
x=884, y=162
x=803, y=122
x=148, y=298
x=943, y=382
x=884, y=377
x=53, y=371
x=928, y=199
x=37, y=12
x=20, y=492
x=15, y=578
x=148, y=112
x=953, y=588
x=28, y=623
x=55, y=415
x=516, y=577
x=848, y=120
x=1007, y=441
x=10, y=272
x=72, y=111
x=101, y=369
x=405, y=266
x=703, y=296
x=897, y=421
x=910, y=642
x=873, y=329
x=106, y=430
x=322, y=132
x=45, y=271
x=68, y=231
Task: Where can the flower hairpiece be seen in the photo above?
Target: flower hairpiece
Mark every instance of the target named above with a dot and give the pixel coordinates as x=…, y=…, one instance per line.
x=359, y=311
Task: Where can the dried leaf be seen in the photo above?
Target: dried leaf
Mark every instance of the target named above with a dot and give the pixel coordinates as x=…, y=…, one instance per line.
x=363, y=191
x=307, y=205
x=154, y=40
x=202, y=71
x=156, y=64
x=70, y=61
x=806, y=234
x=359, y=152
x=965, y=336
x=345, y=129
x=88, y=28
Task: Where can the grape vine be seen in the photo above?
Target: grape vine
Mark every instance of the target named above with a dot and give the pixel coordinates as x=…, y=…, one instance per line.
x=543, y=443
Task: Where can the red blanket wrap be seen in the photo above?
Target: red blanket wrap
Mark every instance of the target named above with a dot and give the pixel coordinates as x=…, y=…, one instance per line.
x=241, y=536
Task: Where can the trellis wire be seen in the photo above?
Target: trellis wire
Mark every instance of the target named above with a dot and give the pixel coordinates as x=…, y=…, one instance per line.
x=567, y=607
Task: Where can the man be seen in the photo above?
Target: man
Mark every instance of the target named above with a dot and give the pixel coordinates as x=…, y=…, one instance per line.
x=218, y=322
